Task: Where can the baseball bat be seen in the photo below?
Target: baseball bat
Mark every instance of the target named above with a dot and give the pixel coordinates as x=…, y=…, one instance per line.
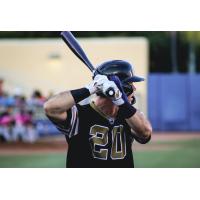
x=75, y=47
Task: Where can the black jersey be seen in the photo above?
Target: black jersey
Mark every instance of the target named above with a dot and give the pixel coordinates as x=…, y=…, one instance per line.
x=95, y=140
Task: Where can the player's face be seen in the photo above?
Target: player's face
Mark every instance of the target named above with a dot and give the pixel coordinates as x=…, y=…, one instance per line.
x=134, y=88
x=131, y=97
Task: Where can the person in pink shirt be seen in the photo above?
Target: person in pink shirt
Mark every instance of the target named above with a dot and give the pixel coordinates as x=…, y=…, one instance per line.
x=6, y=122
x=24, y=128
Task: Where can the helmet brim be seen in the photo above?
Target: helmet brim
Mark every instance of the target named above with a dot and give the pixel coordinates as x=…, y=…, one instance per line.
x=133, y=79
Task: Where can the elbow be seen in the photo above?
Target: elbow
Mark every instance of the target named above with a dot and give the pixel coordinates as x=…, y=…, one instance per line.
x=47, y=108
x=147, y=134
x=148, y=131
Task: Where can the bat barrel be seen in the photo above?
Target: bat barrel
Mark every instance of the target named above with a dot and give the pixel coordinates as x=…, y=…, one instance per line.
x=75, y=47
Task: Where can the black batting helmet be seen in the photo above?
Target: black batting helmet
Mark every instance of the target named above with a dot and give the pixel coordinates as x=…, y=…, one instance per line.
x=123, y=70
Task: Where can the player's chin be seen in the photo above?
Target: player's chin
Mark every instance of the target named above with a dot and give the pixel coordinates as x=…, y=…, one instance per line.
x=132, y=99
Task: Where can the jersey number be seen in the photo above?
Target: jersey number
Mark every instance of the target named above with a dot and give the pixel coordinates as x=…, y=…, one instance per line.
x=99, y=140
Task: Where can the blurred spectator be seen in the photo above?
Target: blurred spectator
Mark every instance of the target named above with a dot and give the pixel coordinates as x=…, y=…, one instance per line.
x=22, y=119
x=24, y=128
x=31, y=131
x=37, y=99
x=6, y=122
x=7, y=100
x=1, y=87
x=20, y=101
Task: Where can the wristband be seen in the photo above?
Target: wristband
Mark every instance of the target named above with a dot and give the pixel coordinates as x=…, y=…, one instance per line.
x=80, y=94
x=126, y=110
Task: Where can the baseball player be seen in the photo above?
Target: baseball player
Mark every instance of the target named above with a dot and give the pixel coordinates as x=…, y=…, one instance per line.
x=100, y=133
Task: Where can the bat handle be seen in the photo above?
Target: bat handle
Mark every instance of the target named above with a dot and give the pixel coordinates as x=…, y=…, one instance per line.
x=110, y=92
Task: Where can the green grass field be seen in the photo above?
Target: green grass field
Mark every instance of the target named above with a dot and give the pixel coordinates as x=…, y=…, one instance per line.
x=181, y=154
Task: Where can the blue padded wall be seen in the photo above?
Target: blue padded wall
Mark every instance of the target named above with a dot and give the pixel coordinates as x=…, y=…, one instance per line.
x=154, y=100
x=174, y=102
x=194, y=102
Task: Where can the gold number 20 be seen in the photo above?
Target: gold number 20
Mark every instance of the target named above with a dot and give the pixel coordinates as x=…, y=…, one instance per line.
x=99, y=140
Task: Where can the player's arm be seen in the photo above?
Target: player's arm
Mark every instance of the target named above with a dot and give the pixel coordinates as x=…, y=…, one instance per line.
x=141, y=127
x=57, y=106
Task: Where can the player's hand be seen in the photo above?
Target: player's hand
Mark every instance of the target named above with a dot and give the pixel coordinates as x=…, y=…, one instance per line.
x=121, y=97
x=97, y=84
x=103, y=84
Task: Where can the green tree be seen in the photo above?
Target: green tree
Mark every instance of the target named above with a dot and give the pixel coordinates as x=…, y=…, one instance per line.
x=193, y=38
x=174, y=58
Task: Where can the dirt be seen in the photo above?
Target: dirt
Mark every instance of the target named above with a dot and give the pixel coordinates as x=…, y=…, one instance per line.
x=45, y=145
x=59, y=145
x=175, y=136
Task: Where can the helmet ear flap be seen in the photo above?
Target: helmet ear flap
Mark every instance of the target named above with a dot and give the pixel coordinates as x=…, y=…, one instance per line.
x=128, y=89
x=133, y=100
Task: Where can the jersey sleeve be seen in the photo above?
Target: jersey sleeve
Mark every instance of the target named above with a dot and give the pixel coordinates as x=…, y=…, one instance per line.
x=70, y=126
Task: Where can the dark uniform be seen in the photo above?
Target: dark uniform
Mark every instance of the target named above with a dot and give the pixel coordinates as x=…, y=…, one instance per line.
x=96, y=140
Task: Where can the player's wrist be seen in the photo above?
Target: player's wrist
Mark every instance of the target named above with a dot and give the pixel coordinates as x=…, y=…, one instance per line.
x=118, y=102
x=126, y=110
x=80, y=94
x=91, y=88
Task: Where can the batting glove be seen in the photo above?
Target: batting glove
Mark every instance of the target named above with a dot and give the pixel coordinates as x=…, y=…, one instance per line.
x=120, y=98
x=97, y=84
x=103, y=85
x=126, y=110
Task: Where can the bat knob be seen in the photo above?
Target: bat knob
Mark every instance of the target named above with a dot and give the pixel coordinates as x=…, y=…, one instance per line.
x=110, y=92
